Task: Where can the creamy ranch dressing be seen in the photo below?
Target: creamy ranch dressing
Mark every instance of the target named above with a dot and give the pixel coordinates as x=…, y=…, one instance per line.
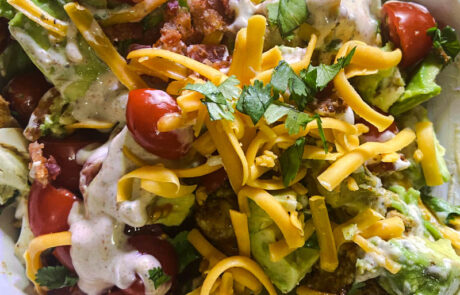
x=100, y=253
x=105, y=100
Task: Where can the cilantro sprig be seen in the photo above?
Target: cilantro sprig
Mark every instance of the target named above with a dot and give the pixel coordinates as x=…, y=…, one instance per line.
x=287, y=15
x=254, y=100
x=158, y=276
x=445, y=40
x=188, y=254
x=55, y=277
x=218, y=99
x=290, y=161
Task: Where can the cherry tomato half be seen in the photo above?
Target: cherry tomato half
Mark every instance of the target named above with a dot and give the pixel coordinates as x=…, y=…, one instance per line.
x=159, y=248
x=407, y=23
x=145, y=107
x=214, y=180
x=49, y=208
x=24, y=92
x=65, y=152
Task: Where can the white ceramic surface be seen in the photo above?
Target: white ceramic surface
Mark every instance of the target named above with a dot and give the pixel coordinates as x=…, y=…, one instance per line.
x=444, y=111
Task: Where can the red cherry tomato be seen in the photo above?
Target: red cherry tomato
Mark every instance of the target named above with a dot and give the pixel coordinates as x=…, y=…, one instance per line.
x=159, y=248
x=214, y=180
x=145, y=107
x=407, y=23
x=24, y=91
x=63, y=255
x=65, y=152
x=49, y=208
x=136, y=288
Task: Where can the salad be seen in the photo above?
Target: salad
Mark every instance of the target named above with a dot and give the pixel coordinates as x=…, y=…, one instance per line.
x=226, y=147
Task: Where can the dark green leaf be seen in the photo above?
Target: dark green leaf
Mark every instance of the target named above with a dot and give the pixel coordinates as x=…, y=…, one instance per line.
x=284, y=78
x=321, y=132
x=158, y=277
x=209, y=90
x=446, y=40
x=187, y=253
x=290, y=161
x=300, y=94
x=55, y=277
x=228, y=88
x=218, y=100
x=291, y=14
x=254, y=100
x=218, y=111
x=294, y=120
x=276, y=111
x=317, y=77
x=280, y=77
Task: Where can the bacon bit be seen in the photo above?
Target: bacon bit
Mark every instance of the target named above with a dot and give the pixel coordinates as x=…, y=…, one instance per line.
x=38, y=170
x=42, y=169
x=214, y=55
x=329, y=106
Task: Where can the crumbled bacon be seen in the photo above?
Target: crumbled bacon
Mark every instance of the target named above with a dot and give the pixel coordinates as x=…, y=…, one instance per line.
x=189, y=26
x=42, y=169
x=213, y=55
x=171, y=39
x=329, y=106
x=177, y=29
x=206, y=19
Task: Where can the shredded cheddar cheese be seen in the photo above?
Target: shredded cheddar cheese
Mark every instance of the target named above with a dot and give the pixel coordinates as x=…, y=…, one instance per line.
x=155, y=179
x=384, y=261
x=427, y=145
x=132, y=14
x=347, y=164
x=240, y=227
x=213, y=255
x=366, y=56
x=327, y=250
x=240, y=262
x=37, y=246
x=215, y=76
x=275, y=210
x=94, y=35
x=35, y=13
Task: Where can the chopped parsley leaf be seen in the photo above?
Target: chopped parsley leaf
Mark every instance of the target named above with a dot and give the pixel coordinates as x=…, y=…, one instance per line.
x=55, y=277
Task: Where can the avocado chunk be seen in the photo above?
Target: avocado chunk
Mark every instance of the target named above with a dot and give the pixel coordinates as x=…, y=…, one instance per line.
x=427, y=268
x=289, y=271
x=178, y=209
x=381, y=89
x=421, y=87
